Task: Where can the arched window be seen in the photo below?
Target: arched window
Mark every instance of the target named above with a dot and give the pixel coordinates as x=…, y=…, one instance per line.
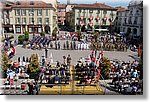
x=135, y=31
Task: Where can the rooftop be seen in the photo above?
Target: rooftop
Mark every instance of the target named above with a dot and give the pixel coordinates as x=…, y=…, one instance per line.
x=95, y=6
x=62, y=6
x=31, y=4
x=121, y=9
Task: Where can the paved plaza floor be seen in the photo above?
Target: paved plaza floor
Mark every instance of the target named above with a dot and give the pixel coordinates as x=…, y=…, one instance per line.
x=75, y=54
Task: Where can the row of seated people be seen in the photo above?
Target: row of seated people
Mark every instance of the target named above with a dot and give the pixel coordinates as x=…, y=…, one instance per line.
x=85, y=74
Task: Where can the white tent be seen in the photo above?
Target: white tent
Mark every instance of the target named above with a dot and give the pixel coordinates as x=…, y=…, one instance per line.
x=102, y=30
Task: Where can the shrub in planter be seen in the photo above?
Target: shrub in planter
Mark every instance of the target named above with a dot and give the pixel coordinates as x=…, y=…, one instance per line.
x=42, y=34
x=20, y=39
x=26, y=36
x=105, y=67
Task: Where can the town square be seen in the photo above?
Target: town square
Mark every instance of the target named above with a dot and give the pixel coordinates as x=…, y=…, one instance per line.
x=69, y=48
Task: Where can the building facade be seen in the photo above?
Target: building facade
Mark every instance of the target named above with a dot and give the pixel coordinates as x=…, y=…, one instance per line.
x=32, y=16
x=130, y=20
x=91, y=16
x=61, y=9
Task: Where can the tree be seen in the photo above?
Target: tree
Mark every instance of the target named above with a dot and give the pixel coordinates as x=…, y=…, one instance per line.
x=105, y=67
x=26, y=36
x=5, y=61
x=96, y=36
x=34, y=63
x=20, y=39
x=55, y=32
x=42, y=34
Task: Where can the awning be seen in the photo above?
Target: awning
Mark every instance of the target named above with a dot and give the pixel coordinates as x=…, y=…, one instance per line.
x=101, y=30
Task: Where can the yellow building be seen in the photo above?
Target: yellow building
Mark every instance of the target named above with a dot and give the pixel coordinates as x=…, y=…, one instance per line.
x=32, y=16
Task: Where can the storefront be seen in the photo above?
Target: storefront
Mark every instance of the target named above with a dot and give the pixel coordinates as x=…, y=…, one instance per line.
x=18, y=28
x=35, y=29
x=8, y=28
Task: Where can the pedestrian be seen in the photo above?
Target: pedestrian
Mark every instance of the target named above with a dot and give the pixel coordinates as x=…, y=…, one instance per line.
x=10, y=77
x=31, y=87
x=68, y=60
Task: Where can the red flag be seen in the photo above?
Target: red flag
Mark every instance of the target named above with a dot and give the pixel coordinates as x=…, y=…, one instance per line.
x=14, y=50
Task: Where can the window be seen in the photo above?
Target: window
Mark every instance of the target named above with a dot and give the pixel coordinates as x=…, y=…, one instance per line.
x=31, y=20
x=46, y=20
x=135, y=20
x=125, y=20
x=18, y=30
x=39, y=20
x=39, y=12
x=18, y=20
x=46, y=12
x=39, y=30
x=98, y=12
x=24, y=20
x=131, y=13
x=90, y=11
x=130, y=20
x=84, y=13
x=104, y=12
x=137, y=12
x=23, y=12
x=31, y=12
x=17, y=12
x=112, y=14
x=31, y=29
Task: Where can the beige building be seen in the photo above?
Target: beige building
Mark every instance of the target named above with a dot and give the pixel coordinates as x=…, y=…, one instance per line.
x=32, y=16
x=91, y=16
x=61, y=14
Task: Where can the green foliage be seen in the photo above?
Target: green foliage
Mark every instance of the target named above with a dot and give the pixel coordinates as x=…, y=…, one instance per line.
x=34, y=64
x=20, y=39
x=55, y=32
x=105, y=67
x=42, y=34
x=26, y=36
x=5, y=60
x=95, y=36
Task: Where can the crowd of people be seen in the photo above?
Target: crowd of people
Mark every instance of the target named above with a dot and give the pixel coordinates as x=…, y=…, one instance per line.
x=110, y=43
x=8, y=45
x=39, y=43
x=127, y=76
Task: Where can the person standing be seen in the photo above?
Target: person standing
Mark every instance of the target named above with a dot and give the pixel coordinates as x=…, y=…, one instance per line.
x=31, y=87
x=46, y=51
x=68, y=60
x=11, y=76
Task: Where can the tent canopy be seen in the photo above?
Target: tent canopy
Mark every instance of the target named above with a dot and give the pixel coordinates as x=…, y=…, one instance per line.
x=102, y=30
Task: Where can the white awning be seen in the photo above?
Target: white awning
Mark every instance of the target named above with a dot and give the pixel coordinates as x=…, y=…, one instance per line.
x=102, y=30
